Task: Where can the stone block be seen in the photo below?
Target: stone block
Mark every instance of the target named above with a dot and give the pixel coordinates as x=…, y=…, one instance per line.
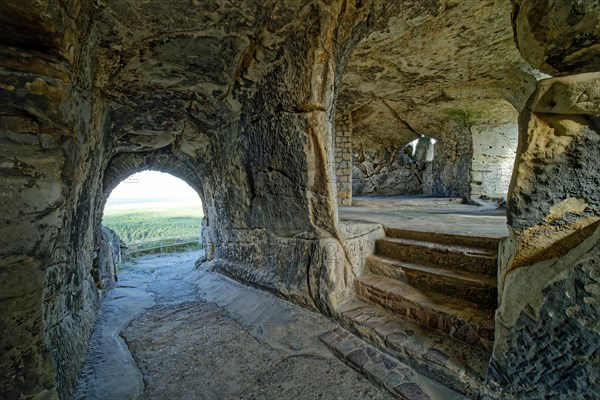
x=411, y=391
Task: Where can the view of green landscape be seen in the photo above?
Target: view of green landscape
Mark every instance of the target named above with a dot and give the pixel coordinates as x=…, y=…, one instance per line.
x=146, y=224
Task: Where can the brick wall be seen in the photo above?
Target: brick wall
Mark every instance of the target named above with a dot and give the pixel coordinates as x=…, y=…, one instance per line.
x=343, y=159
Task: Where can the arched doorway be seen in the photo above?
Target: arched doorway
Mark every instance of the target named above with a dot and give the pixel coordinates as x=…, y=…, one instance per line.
x=154, y=211
x=432, y=268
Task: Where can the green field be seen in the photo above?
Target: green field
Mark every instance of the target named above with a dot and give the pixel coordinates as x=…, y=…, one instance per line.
x=141, y=225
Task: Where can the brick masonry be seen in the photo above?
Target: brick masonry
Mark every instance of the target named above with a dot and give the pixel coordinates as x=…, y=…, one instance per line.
x=399, y=379
x=343, y=159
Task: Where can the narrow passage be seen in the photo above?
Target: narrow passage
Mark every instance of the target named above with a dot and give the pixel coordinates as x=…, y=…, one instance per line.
x=170, y=331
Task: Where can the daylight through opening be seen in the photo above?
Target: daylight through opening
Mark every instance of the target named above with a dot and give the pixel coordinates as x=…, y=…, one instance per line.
x=154, y=212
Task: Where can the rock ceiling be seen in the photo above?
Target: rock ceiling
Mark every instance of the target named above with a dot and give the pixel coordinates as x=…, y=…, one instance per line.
x=160, y=63
x=420, y=72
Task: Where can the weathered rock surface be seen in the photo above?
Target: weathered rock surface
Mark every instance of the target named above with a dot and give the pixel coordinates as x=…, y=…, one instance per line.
x=109, y=256
x=494, y=151
x=389, y=172
x=548, y=337
x=559, y=38
x=240, y=100
x=395, y=86
x=545, y=336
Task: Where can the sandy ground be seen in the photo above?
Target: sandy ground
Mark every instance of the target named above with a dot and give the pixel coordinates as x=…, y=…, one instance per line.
x=169, y=331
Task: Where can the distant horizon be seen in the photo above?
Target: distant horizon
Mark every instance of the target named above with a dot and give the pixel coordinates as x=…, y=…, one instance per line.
x=152, y=188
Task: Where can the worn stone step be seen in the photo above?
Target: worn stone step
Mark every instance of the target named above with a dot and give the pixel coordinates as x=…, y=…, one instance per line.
x=456, y=318
x=384, y=371
x=468, y=286
x=488, y=243
x=458, y=365
x=471, y=259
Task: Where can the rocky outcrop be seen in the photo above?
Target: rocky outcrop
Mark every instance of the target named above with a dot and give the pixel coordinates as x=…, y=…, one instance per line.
x=390, y=172
x=546, y=337
x=558, y=38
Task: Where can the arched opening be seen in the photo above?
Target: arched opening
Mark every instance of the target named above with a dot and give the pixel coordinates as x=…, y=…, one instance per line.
x=426, y=139
x=150, y=237
x=470, y=161
x=153, y=211
x=151, y=202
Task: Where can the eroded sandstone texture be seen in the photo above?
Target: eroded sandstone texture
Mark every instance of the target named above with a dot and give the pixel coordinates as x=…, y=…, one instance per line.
x=390, y=172
x=547, y=335
x=240, y=100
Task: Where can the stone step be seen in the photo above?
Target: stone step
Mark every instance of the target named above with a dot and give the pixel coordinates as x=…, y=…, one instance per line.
x=471, y=259
x=475, y=288
x=456, y=318
x=384, y=371
x=488, y=243
x=451, y=362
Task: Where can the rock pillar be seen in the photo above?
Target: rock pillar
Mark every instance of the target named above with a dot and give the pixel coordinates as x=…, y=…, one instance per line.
x=547, y=332
x=449, y=174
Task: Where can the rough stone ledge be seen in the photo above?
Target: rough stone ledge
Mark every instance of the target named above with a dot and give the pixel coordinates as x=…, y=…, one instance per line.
x=455, y=364
x=574, y=94
x=399, y=379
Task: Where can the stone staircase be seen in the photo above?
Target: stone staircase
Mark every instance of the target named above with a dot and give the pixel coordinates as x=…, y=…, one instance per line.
x=428, y=299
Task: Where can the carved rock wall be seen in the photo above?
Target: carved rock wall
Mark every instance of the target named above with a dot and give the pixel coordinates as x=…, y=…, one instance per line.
x=547, y=340
x=243, y=96
x=53, y=153
x=494, y=151
x=549, y=349
x=449, y=173
x=390, y=171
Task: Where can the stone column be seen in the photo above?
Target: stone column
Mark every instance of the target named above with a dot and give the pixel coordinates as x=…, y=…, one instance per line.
x=450, y=171
x=547, y=331
x=343, y=159
x=269, y=173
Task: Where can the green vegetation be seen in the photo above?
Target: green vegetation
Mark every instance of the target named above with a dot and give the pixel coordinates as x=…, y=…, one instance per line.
x=143, y=225
x=468, y=117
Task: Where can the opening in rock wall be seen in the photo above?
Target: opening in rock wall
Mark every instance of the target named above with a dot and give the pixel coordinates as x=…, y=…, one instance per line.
x=429, y=138
x=394, y=170
x=153, y=212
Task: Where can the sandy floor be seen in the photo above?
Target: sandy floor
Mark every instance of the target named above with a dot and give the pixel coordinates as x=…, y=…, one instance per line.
x=191, y=334
x=170, y=331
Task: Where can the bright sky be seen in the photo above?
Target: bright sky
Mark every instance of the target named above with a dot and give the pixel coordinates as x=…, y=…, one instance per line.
x=153, y=185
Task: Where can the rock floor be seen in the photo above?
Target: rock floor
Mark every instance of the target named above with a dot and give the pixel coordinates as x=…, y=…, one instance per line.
x=429, y=214
x=169, y=331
